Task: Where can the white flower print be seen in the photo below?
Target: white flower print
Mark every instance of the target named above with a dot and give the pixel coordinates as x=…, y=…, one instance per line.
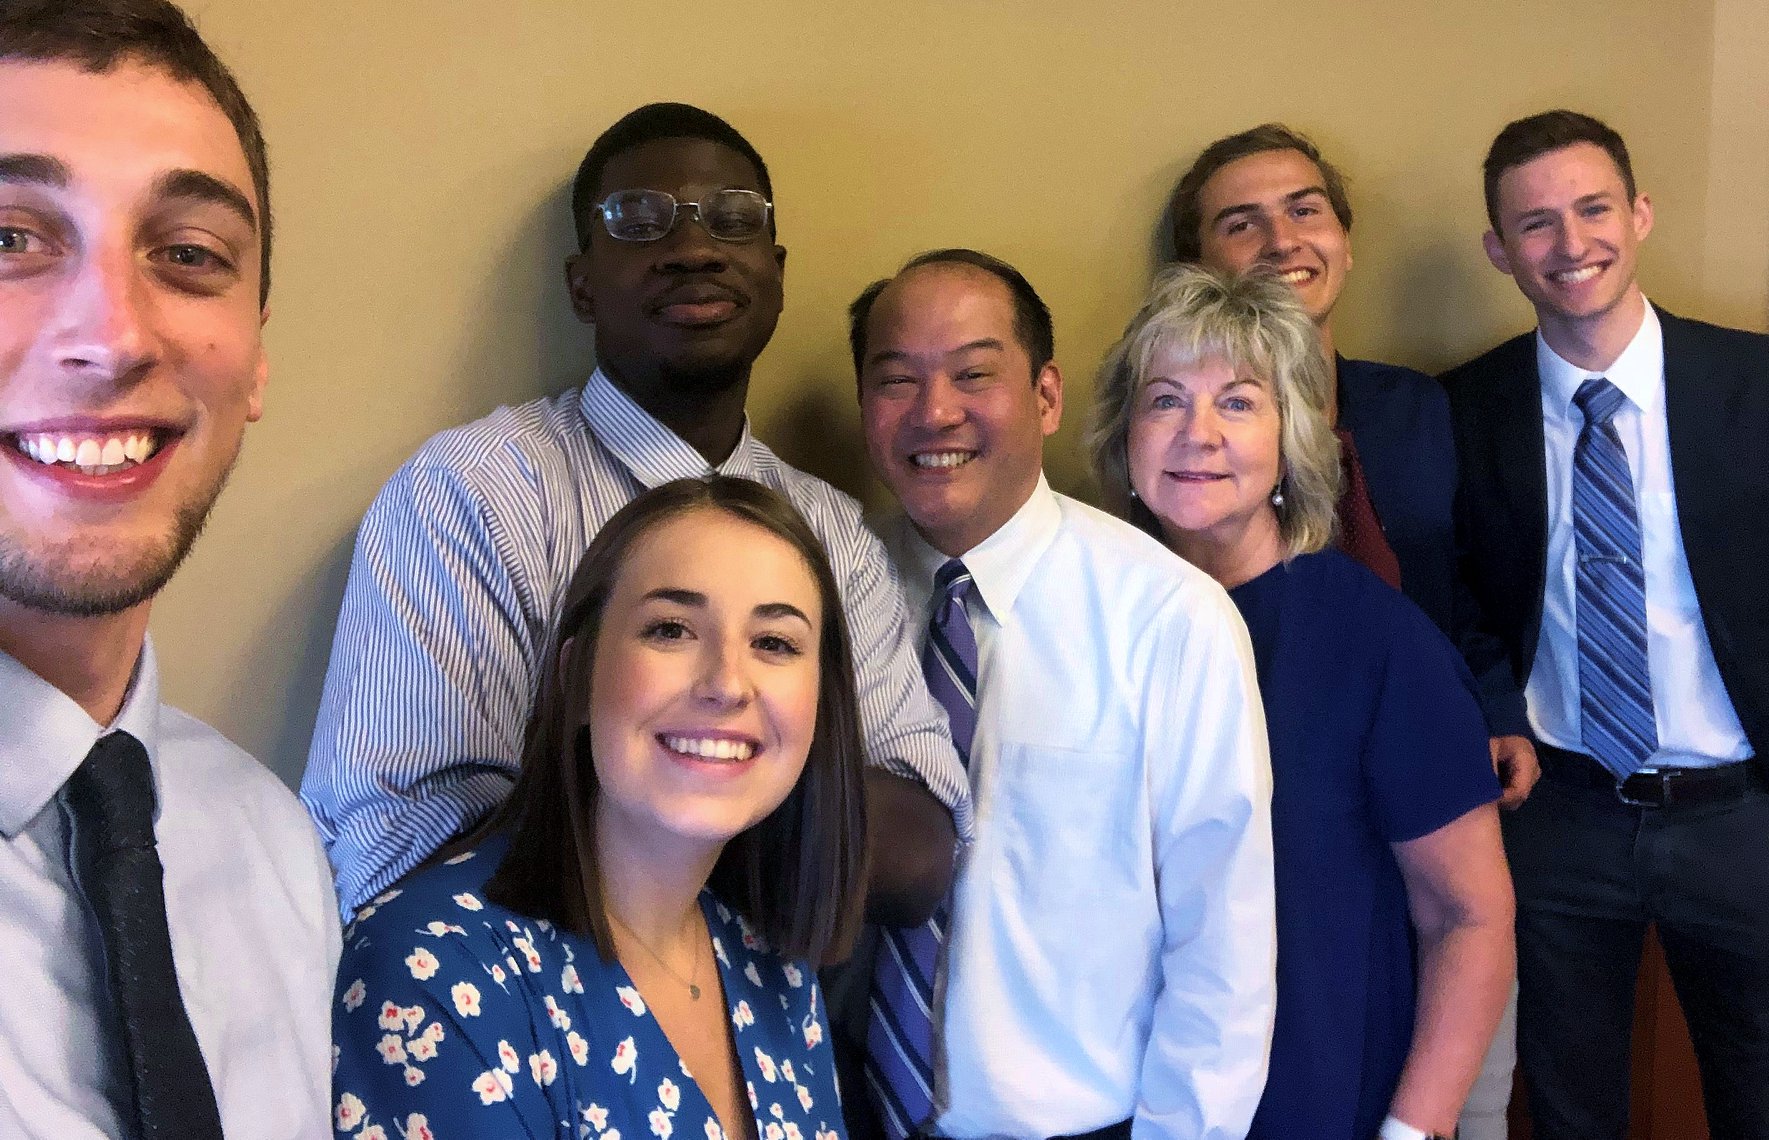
x=713, y=1131
x=349, y=1112
x=364, y=915
x=804, y=1097
x=827, y=1134
x=719, y=953
x=387, y=896
x=422, y=1049
x=580, y=1049
x=669, y=1095
x=434, y=1033
x=754, y=975
x=411, y=1017
x=438, y=929
x=795, y=977
x=776, y=1111
x=459, y=859
x=528, y=952
x=626, y=1056
x=596, y=1116
x=743, y=1017
x=750, y=1086
x=417, y=1127
x=813, y=1033
x=509, y=1058
x=569, y=981
x=392, y=1017
x=354, y=996
x=466, y=996
x=414, y=1076
x=490, y=1086
x=774, y=1131
x=422, y=964
x=792, y=1131
x=337, y=1053
x=559, y=1018
x=372, y=1132
x=630, y=998
x=766, y=1064
x=497, y=974
x=467, y=902
x=611, y=1134
x=786, y=1071
x=542, y=1067
x=391, y=1049
x=661, y=1126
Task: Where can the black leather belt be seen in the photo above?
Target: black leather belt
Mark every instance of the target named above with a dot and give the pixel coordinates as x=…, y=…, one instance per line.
x=1655, y=787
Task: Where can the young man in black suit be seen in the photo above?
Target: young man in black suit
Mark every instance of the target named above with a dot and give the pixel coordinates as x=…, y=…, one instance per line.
x=1613, y=519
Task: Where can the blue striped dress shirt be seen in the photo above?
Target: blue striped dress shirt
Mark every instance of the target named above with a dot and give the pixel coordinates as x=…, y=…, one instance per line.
x=460, y=566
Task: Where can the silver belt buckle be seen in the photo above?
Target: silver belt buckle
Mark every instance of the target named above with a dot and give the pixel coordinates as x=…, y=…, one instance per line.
x=1664, y=788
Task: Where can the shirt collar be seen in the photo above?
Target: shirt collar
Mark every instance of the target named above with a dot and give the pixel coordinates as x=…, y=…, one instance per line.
x=654, y=454
x=1001, y=564
x=1639, y=371
x=48, y=735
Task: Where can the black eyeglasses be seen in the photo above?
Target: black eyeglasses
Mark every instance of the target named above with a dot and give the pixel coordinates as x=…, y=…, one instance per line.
x=649, y=215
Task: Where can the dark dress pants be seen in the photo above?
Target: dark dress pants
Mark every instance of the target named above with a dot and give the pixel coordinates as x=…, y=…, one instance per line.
x=1591, y=873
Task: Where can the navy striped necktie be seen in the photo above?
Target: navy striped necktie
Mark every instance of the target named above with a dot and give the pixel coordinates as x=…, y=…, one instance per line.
x=900, y=1034
x=1615, y=687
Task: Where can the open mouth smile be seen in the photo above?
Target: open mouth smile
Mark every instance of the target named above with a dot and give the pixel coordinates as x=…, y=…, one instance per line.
x=941, y=460
x=714, y=749
x=90, y=453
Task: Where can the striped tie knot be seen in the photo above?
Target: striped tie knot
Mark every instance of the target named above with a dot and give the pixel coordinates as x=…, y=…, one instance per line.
x=1599, y=400
x=952, y=579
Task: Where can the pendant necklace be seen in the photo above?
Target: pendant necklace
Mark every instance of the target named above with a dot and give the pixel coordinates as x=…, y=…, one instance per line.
x=692, y=981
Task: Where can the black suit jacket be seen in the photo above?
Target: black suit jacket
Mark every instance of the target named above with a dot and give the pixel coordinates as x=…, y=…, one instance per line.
x=1717, y=405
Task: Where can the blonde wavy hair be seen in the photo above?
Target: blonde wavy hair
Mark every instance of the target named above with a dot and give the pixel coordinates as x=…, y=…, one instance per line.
x=1254, y=323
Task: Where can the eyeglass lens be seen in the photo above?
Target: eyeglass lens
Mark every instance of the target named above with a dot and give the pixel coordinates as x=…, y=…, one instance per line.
x=648, y=215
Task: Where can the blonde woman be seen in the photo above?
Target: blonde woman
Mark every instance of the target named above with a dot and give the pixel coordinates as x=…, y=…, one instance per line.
x=1395, y=951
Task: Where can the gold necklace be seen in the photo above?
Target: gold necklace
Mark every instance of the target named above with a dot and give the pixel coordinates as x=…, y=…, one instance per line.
x=692, y=981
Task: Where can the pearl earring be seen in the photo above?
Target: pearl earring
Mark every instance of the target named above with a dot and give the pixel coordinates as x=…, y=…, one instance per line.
x=1277, y=497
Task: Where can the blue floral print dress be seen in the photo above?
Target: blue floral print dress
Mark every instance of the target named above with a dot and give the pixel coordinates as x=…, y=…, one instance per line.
x=457, y=1018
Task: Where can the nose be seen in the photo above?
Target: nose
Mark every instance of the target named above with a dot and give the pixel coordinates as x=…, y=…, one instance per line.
x=1573, y=240
x=1280, y=238
x=937, y=407
x=103, y=321
x=724, y=682
x=689, y=248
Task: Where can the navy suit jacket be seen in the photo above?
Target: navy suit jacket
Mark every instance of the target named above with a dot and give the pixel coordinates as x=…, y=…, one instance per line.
x=1717, y=408
x=1400, y=421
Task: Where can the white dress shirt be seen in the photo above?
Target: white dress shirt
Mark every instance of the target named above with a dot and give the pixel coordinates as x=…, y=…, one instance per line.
x=1112, y=948
x=249, y=903
x=1696, y=724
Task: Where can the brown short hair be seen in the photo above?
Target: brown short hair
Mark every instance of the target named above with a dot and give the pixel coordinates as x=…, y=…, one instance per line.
x=1524, y=140
x=99, y=34
x=1185, y=211
x=798, y=876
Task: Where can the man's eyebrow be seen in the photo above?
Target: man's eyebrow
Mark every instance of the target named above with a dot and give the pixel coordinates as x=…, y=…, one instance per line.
x=781, y=610
x=1254, y=207
x=34, y=170
x=195, y=186
x=890, y=355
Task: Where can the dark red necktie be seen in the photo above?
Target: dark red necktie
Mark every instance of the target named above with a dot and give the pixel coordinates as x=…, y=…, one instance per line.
x=1360, y=531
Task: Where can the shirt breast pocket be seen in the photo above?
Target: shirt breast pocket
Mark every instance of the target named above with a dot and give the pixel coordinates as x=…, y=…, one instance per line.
x=1072, y=825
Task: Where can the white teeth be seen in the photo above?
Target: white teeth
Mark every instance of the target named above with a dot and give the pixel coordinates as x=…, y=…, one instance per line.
x=100, y=455
x=720, y=749
x=942, y=458
x=1576, y=276
x=1296, y=276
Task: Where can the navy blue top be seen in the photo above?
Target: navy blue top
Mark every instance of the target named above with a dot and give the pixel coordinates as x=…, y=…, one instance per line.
x=457, y=1017
x=1400, y=421
x=1376, y=739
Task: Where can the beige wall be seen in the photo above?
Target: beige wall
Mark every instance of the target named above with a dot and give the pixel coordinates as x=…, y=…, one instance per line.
x=422, y=153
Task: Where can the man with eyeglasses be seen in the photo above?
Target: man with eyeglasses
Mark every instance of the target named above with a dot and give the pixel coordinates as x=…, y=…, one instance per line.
x=465, y=554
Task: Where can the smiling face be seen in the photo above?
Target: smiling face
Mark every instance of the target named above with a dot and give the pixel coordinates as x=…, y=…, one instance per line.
x=686, y=310
x=955, y=417
x=1204, y=454
x=130, y=351
x=1569, y=235
x=703, y=697
x=1272, y=209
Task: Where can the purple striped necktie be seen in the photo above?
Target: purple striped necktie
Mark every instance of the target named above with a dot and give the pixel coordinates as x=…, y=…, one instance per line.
x=900, y=1035
x=1617, y=725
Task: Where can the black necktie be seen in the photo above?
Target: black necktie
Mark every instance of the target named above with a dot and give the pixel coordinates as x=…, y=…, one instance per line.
x=111, y=799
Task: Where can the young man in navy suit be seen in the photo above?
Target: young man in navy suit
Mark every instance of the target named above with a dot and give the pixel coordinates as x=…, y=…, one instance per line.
x=1613, y=520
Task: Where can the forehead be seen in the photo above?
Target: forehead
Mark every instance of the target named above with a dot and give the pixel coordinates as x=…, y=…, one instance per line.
x=941, y=307
x=117, y=131
x=1255, y=178
x=677, y=165
x=1560, y=175
x=730, y=560
x=1179, y=364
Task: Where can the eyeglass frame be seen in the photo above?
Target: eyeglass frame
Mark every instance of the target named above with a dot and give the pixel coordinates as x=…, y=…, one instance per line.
x=676, y=207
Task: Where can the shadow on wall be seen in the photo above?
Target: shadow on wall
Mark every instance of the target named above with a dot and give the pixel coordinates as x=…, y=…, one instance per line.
x=303, y=623
x=1439, y=287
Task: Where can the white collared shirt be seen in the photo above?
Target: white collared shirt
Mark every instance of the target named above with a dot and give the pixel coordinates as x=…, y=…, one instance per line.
x=249, y=903
x=1112, y=949
x=1696, y=723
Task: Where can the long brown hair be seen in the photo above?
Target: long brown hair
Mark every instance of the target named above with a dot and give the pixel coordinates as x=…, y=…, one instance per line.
x=798, y=875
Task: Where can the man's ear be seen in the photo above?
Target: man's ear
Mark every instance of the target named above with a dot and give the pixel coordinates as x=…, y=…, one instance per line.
x=1642, y=217
x=780, y=257
x=1049, y=385
x=577, y=286
x=1495, y=252
x=260, y=373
